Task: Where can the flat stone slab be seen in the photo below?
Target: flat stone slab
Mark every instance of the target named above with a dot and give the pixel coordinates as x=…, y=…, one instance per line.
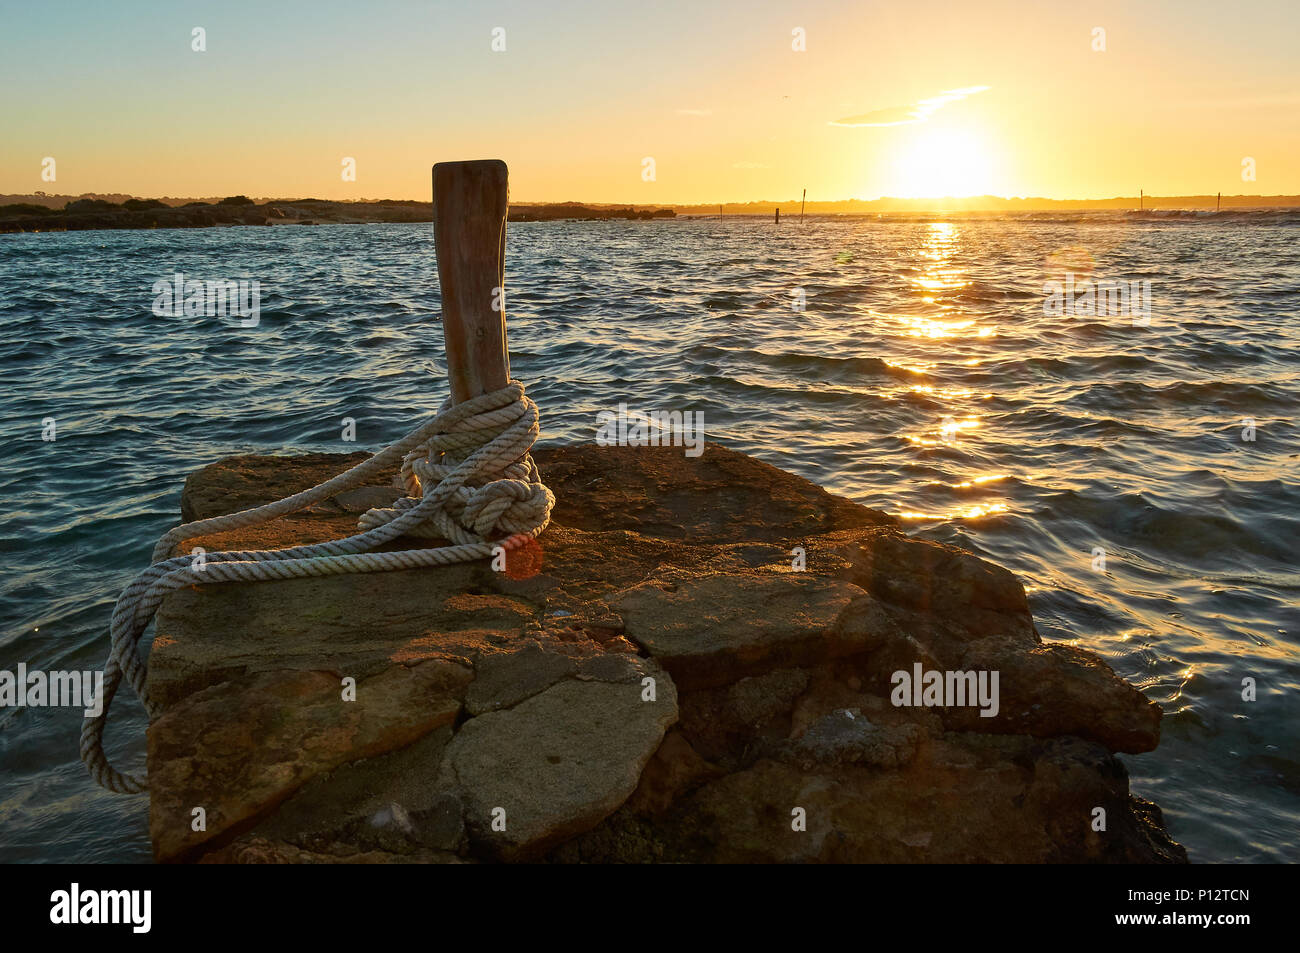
x=505, y=715
x=556, y=764
x=712, y=630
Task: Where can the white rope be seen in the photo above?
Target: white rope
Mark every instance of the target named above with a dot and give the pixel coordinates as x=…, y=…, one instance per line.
x=468, y=476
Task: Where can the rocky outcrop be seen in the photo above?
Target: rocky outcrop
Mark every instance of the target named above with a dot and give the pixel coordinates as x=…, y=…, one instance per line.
x=695, y=663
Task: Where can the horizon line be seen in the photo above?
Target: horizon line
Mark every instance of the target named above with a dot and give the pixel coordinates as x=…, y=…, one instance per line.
x=986, y=197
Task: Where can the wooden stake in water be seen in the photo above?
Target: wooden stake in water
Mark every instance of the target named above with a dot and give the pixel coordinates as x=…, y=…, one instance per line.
x=778, y=216
x=1218, y=198
x=802, y=202
x=470, y=200
x=1140, y=200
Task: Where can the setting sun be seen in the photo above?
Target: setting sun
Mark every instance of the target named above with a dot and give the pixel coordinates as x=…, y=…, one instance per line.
x=938, y=163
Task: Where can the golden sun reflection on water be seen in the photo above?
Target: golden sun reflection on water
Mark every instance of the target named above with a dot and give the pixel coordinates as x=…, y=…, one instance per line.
x=922, y=327
x=937, y=279
x=972, y=512
x=915, y=367
x=984, y=479
x=946, y=393
x=945, y=434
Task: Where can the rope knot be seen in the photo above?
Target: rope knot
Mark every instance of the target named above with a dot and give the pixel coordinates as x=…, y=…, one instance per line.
x=475, y=473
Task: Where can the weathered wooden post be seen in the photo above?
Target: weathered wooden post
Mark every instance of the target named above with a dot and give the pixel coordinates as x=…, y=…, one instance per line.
x=470, y=201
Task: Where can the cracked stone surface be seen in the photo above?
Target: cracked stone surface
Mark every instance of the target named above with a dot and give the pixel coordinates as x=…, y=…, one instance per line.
x=557, y=763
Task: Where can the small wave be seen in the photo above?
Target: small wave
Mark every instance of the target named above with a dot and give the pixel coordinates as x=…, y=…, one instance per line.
x=814, y=366
x=1234, y=396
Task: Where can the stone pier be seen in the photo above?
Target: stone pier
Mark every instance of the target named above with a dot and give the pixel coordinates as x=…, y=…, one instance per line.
x=658, y=679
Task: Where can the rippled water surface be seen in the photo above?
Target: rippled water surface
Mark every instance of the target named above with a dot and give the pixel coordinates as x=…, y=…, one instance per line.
x=922, y=378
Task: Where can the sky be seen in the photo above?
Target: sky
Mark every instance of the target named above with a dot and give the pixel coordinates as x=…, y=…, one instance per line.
x=911, y=99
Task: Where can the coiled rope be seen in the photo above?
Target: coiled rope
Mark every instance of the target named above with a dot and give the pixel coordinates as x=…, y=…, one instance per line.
x=468, y=475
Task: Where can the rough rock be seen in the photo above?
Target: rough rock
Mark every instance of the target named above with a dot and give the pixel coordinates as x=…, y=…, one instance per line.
x=288, y=727
x=964, y=800
x=525, y=690
x=847, y=736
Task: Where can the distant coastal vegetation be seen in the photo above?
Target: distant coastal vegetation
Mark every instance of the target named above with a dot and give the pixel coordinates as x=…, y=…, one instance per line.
x=45, y=213
x=39, y=212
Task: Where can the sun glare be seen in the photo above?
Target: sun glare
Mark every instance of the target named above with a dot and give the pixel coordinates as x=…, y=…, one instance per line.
x=944, y=162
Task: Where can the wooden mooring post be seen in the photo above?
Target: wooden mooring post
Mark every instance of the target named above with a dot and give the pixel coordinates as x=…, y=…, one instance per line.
x=470, y=201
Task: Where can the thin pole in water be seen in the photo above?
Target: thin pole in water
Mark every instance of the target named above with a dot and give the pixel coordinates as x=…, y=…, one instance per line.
x=1217, y=200
x=470, y=201
x=803, y=201
x=778, y=216
x=1140, y=199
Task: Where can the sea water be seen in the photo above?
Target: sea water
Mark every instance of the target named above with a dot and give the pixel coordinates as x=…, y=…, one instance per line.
x=1138, y=468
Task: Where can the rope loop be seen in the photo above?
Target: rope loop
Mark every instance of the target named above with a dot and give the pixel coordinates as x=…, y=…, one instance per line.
x=469, y=478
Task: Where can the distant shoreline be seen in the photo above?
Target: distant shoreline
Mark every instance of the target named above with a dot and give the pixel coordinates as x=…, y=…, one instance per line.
x=87, y=214
x=48, y=213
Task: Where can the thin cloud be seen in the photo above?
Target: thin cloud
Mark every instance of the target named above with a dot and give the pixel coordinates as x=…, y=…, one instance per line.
x=917, y=112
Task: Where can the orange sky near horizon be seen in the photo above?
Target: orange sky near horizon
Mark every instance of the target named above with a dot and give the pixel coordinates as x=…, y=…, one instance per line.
x=918, y=99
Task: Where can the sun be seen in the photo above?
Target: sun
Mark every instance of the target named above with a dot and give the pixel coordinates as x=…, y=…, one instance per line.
x=943, y=163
